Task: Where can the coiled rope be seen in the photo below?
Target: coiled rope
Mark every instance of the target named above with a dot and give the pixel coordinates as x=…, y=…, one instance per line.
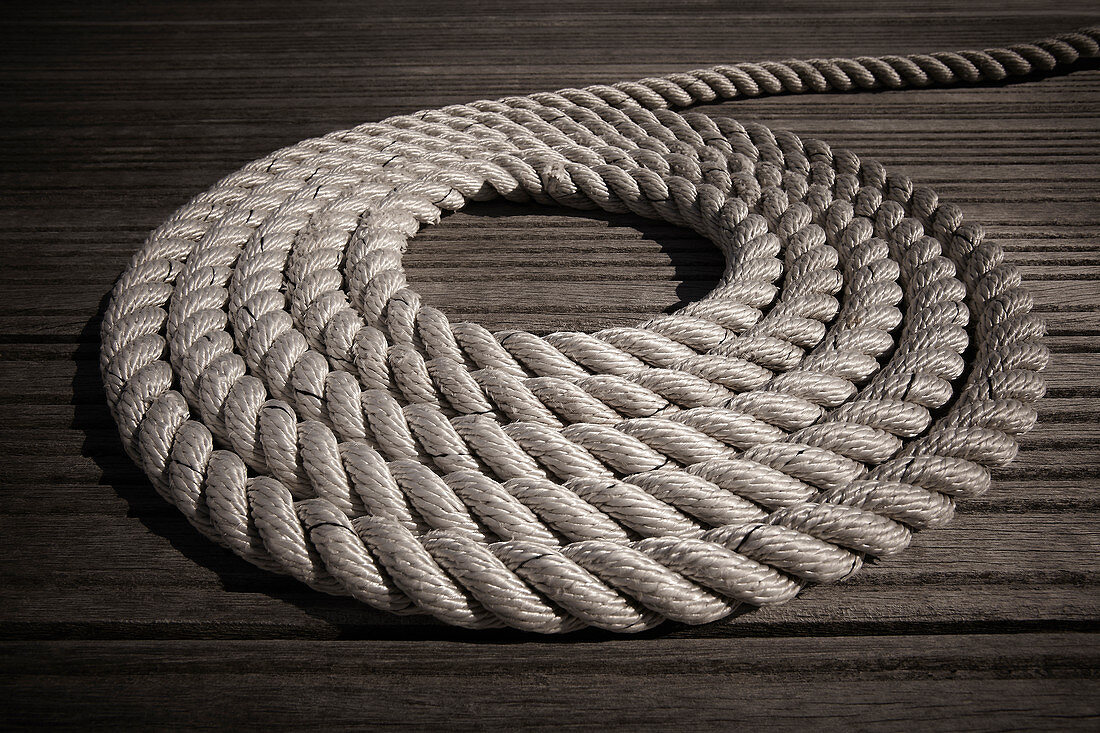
x=279, y=382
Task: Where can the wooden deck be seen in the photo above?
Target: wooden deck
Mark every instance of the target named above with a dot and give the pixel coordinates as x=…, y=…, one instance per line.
x=114, y=612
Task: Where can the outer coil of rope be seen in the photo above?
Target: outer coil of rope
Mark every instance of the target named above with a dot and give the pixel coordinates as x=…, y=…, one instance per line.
x=279, y=382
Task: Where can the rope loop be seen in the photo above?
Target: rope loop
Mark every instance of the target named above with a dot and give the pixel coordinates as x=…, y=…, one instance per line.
x=864, y=359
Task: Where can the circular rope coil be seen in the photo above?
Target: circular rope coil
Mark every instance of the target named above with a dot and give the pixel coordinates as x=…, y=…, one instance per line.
x=864, y=358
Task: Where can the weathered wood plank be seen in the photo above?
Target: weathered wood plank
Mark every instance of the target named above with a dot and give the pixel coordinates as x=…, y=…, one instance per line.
x=864, y=658
x=985, y=682
x=246, y=608
x=1039, y=546
x=534, y=701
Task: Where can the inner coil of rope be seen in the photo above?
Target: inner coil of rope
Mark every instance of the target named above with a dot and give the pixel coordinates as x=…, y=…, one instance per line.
x=865, y=357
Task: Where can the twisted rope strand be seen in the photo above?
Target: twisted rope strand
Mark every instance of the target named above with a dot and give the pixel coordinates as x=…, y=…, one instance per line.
x=274, y=375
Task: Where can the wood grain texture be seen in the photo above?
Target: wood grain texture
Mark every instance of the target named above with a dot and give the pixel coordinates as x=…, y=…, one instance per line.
x=870, y=681
x=115, y=613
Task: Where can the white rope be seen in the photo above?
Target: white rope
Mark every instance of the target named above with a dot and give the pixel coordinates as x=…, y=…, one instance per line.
x=278, y=380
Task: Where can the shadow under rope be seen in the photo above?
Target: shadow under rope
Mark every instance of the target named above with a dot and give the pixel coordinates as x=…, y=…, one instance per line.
x=697, y=266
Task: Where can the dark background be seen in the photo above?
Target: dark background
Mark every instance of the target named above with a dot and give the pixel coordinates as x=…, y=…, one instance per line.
x=113, y=611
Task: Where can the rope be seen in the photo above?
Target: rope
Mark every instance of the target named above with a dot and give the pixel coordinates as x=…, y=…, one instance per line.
x=865, y=358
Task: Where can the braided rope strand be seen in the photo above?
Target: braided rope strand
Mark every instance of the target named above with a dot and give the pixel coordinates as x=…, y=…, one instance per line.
x=280, y=383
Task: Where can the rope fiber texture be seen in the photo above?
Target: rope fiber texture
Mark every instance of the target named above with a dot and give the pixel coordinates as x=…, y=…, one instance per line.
x=865, y=357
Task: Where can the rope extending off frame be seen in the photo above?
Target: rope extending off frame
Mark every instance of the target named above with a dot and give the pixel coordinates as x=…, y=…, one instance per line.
x=863, y=360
